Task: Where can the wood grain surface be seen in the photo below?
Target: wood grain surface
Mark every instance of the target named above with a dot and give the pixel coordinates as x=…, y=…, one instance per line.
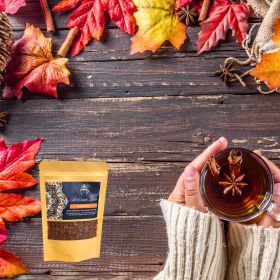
x=147, y=115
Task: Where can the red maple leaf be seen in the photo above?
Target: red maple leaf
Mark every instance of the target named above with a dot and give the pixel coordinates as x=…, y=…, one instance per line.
x=89, y=18
x=10, y=264
x=223, y=15
x=14, y=162
x=182, y=3
x=33, y=66
x=11, y=6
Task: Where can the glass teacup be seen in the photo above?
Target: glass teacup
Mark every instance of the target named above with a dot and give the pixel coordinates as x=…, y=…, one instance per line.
x=238, y=191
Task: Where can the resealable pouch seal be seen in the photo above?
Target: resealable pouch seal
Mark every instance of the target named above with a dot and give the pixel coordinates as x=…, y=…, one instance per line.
x=73, y=198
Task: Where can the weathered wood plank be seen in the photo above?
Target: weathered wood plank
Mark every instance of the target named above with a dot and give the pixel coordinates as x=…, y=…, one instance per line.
x=94, y=276
x=187, y=76
x=135, y=244
x=142, y=129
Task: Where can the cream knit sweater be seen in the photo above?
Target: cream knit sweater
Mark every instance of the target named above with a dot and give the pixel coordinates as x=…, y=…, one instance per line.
x=198, y=249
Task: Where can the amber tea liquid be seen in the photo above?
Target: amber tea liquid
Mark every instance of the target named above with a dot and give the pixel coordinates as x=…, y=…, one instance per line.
x=255, y=196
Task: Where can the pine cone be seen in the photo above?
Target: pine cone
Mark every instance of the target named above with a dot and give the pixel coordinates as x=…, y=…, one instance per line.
x=5, y=42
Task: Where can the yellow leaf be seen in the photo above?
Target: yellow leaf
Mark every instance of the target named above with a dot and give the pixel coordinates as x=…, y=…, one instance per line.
x=157, y=22
x=268, y=70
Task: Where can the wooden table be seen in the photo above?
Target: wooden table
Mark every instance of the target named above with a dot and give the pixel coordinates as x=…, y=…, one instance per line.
x=147, y=115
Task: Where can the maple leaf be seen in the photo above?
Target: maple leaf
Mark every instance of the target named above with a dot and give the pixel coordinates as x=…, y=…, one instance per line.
x=10, y=264
x=11, y=6
x=268, y=69
x=14, y=207
x=89, y=18
x=33, y=66
x=3, y=235
x=157, y=22
x=14, y=161
x=182, y=3
x=223, y=15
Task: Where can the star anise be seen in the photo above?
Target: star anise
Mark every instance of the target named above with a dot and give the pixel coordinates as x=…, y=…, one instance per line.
x=233, y=184
x=187, y=14
x=226, y=73
x=3, y=116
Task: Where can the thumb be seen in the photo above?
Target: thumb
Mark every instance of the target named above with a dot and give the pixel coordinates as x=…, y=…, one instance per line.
x=193, y=198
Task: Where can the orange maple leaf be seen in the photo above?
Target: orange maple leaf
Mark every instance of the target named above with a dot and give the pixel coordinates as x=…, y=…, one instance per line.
x=10, y=264
x=33, y=66
x=268, y=70
x=14, y=207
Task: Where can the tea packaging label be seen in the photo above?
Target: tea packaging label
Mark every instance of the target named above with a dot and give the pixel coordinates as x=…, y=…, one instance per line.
x=73, y=197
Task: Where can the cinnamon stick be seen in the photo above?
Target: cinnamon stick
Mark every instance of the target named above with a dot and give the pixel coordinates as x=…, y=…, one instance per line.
x=47, y=15
x=204, y=10
x=235, y=160
x=68, y=41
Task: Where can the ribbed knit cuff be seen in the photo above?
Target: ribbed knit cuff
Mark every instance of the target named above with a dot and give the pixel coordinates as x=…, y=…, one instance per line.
x=196, y=244
x=253, y=252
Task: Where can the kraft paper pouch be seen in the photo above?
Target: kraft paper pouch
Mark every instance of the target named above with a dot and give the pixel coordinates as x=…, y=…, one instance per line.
x=73, y=198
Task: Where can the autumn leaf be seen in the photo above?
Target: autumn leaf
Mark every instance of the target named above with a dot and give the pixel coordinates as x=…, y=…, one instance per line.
x=14, y=161
x=33, y=66
x=223, y=15
x=157, y=22
x=268, y=69
x=3, y=235
x=10, y=264
x=89, y=18
x=14, y=207
x=11, y=6
x=182, y=3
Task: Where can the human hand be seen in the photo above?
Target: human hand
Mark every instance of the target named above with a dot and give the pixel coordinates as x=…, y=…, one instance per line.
x=266, y=220
x=186, y=191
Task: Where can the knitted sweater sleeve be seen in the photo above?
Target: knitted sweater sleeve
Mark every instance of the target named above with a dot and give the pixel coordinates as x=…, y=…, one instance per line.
x=253, y=252
x=196, y=245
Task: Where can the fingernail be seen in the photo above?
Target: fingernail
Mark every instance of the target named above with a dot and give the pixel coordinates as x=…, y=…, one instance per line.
x=189, y=172
x=222, y=139
x=277, y=189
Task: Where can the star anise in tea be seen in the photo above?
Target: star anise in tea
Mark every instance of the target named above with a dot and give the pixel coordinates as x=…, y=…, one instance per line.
x=233, y=184
x=187, y=14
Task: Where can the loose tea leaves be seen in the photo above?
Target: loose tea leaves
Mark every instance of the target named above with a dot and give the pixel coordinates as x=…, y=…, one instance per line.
x=234, y=181
x=72, y=230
